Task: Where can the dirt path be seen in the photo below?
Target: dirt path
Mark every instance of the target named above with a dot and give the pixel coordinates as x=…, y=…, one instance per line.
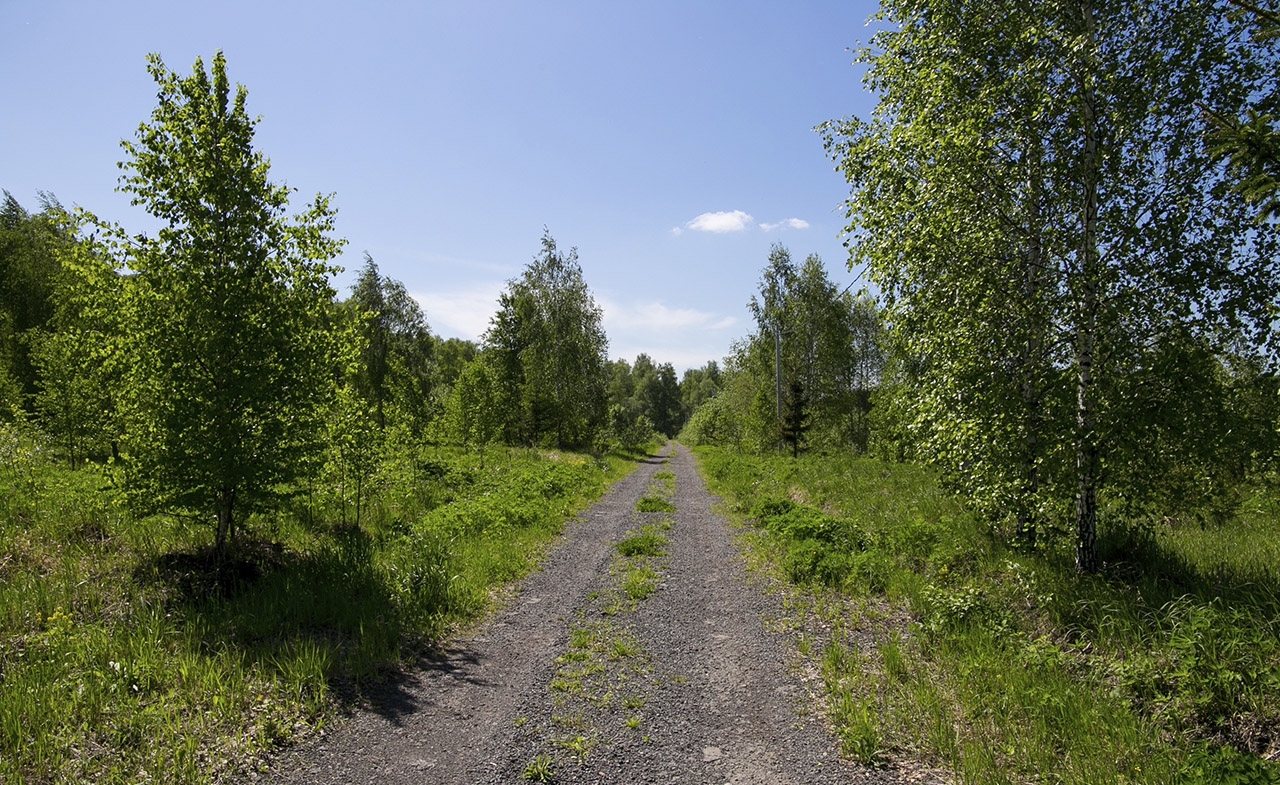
x=605, y=669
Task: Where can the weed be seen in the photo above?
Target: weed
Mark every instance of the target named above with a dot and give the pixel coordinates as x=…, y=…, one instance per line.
x=137, y=646
x=654, y=504
x=645, y=543
x=1005, y=663
x=624, y=646
x=539, y=769
x=632, y=722
x=579, y=745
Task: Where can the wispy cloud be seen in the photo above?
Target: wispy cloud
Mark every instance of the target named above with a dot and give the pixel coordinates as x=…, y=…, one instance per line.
x=463, y=312
x=790, y=223
x=718, y=223
x=684, y=337
x=735, y=221
x=655, y=317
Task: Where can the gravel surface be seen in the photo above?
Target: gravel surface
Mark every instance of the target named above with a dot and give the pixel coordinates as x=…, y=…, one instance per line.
x=605, y=669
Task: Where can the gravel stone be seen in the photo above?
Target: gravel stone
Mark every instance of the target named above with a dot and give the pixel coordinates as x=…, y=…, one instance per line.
x=687, y=685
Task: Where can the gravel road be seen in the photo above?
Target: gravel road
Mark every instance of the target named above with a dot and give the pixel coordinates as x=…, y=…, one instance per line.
x=656, y=668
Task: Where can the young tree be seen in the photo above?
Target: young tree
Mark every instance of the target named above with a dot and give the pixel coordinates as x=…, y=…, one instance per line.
x=795, y=420
x=471, y=416
x=548, y=352
x=232, y=351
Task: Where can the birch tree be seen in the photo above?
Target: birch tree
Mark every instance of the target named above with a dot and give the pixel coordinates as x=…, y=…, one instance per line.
x=1033, y=195
x=549, y=354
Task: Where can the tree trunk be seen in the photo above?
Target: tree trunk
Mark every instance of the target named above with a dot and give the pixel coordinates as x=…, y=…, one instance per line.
x=1087, y=315
x=1032, y=278
x=226, y=520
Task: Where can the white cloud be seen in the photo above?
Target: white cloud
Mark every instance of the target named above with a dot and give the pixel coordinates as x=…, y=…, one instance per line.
x=720, y=223
x=655, y=317
x=463, y=312
x=790, y=223
x=684, y=337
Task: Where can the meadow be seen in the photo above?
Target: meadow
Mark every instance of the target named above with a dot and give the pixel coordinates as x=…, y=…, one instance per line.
x=947, y=647
x=129, y=651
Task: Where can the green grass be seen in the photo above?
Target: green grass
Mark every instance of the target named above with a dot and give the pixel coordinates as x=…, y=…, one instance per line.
x=1003, y=664
x=654, y=504
x=125, y=656
x=647, y=542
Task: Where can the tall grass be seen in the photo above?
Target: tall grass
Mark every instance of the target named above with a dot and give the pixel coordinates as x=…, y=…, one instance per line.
x=125, y=656
x=1003, y=664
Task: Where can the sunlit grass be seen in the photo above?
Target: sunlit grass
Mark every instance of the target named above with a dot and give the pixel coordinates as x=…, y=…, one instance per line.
x=1005, y=665
x=123, y=658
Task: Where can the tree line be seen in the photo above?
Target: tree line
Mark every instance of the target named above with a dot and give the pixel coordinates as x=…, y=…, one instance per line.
x=216, y=368
x=1069, y=211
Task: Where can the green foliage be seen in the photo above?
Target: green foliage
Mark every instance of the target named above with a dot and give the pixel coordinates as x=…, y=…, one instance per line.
x=1100, y=227
x=547, y=351
x=648, y=542
x=471, y=416
x=805, y=377
x=353, y=452
x=395, y=373
x=644, y=400
x=654, y=504
x=30, y=277
x=1004, y=663
x=819, y=347
x=452, y=356
x=630, y=429
x=229, y=349
x=1248, y=141
x=127, y=657
x=697, y=386
x=539, y=769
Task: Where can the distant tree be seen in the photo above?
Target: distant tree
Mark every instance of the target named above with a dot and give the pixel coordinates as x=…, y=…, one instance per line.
x=697, y=386
x=452, y=356
x=231, y=347
x=472, y=412
x=396, y=372
x=547, y=349
x=29, y=279
x=826, y=339
x=622, y=385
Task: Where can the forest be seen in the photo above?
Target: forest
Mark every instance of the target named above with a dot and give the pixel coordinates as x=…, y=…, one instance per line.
x=1034, y=456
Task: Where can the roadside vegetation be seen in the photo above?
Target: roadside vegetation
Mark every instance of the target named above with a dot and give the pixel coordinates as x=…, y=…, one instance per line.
x=948, y=645
x=127, y=654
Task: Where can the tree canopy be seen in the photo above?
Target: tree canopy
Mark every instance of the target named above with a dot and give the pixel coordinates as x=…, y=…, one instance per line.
x=231, y=349
x=1034, y=196
x=548, y=353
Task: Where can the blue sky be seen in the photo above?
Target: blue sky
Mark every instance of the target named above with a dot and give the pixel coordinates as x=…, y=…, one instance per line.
x=670, y=142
